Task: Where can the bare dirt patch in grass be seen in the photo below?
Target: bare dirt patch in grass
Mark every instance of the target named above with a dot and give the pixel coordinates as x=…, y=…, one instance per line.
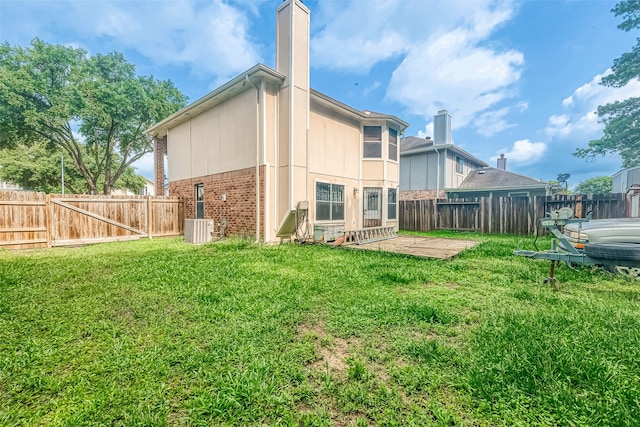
x=333, y=351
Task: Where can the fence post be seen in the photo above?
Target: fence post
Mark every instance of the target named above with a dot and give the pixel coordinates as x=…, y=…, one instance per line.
x=578, y=206
x=149, y=218
x=47, y=218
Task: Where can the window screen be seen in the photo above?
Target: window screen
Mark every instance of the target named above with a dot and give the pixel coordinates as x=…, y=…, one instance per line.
x=372, y=137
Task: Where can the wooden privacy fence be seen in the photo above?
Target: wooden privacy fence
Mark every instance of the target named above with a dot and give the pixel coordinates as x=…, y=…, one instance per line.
x=36, y=220
x=502, y=215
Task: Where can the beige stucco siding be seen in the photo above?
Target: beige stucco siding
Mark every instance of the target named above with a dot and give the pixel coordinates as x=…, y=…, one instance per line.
x=301, y=48
x=372, y=170
x=300, y=127
x=218, y=140
x=270, y=100
x=393, y=172
x=334, y=145
x=179, y=152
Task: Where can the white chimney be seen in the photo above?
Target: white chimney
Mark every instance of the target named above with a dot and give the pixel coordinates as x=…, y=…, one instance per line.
x=502, y=162
x=442, y=128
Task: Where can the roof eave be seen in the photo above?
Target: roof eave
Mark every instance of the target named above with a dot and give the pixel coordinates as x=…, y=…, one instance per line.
x=227, y=90
x=336, y=105
x=542, y=186
x=446, y=147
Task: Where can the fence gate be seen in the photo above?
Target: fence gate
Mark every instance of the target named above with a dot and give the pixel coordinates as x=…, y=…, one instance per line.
x=36, y=220
x=372, y=212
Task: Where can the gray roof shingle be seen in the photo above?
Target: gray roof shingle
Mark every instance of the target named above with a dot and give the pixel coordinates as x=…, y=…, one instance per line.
x=492, y=178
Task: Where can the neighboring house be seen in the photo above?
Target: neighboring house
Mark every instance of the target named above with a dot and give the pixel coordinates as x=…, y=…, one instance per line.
x=429, y=166
x=625, y=179
x=9, y=186
x=497, y=182
x=148, y=189
x=265, y=143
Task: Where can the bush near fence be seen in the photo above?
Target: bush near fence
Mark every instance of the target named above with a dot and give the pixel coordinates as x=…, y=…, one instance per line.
x=35, y=220
x=503, y=215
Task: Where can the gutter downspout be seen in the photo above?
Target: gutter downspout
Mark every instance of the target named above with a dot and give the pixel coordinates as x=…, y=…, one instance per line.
x=437, y=188
x=258, y=145
x=438, y=175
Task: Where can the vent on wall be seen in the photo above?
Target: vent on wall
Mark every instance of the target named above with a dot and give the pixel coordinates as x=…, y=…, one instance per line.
x=198, y=231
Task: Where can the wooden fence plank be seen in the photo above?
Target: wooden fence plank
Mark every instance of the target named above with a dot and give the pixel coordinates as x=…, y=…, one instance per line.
x=510, y=215
x=98, y=217
x=34, y=220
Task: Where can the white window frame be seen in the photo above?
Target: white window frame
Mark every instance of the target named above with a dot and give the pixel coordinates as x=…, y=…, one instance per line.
x=331, y=202
x=394, y=204
x=393, y=147
x=368, y=142
x=459, y=165
x=199, y=200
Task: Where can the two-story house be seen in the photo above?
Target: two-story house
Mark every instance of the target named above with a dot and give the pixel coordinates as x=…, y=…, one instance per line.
x=264, y=143
x=429, y=166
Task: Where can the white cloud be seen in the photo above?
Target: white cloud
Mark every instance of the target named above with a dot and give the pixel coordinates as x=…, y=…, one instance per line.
x=376, y=85
x=210, y=38
x=492, y=122
x=353, y=36
x=452, y=67
x=523, y=152
x=428, y=131
x=579, y=118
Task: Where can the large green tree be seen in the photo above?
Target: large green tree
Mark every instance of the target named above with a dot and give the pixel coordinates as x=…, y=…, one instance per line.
x=93, y=108
x=621, y=133
x=596, y=185
x=38, y=166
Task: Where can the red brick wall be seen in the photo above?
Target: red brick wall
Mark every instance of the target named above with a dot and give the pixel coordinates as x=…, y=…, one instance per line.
x=159, y=151
x=239, y=209
x=421, y=195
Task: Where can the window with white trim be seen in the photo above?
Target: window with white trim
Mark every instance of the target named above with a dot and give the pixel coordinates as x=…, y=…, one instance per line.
x=199, y=201
x=372, y=140
x=329, y=202
x=393, y=144
x=392, y=204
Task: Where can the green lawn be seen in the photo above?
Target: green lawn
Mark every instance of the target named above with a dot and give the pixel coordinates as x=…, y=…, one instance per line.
x=230, y=333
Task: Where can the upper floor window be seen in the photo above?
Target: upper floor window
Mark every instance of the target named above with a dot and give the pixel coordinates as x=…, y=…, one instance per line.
x=372, y=141
x=329, y=202
x=393, y=144
x=459, y=165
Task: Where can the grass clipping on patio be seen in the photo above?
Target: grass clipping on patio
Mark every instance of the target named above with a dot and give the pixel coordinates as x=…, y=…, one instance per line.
x=158, y=332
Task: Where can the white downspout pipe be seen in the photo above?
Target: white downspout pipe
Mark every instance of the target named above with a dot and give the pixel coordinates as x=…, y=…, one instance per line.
x=258, y=145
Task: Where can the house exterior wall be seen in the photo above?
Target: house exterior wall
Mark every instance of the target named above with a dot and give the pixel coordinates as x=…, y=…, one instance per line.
x=453, y=179
x=420, y=176
x=335, y=157
x=218, y=140
x=420, y=171
x=228, y=196
x=296, y=139
x=626, y=178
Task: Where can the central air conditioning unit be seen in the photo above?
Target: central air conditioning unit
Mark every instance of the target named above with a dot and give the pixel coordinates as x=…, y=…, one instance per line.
x=198, y=231
x=327, y=233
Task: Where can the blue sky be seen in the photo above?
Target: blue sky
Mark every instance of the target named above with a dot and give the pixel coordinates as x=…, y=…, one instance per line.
x=519, y=78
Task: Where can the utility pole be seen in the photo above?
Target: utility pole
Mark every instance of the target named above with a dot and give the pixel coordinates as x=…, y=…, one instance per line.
x=62, y=170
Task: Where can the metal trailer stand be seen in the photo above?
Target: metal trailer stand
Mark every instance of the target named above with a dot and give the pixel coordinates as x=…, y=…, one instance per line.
x=562, y=249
